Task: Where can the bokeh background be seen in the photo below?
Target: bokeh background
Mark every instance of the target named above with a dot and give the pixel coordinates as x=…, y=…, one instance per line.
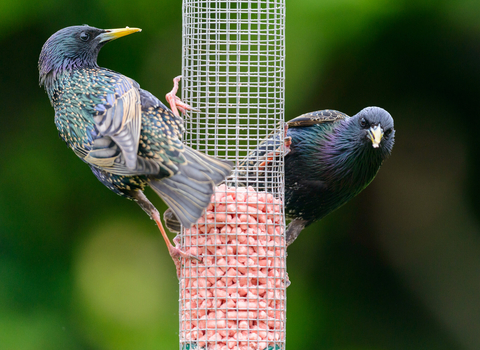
x=396, y=268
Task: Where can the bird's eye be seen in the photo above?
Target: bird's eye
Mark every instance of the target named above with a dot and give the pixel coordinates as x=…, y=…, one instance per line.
x=84, y=36
x=363, y=123
x=387, y=133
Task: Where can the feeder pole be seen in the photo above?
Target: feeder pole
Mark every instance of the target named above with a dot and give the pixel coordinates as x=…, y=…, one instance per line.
x=233, y=76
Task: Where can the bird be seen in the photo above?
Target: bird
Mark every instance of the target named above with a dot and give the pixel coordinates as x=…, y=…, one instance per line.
x=329, y=158
x=126, y=135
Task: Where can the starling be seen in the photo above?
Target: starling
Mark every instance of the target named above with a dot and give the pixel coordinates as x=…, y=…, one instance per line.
x=127, y=137
x=329, y=159
x=332, y=158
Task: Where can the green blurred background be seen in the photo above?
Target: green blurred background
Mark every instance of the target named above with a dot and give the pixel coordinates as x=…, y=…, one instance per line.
x=396, y=268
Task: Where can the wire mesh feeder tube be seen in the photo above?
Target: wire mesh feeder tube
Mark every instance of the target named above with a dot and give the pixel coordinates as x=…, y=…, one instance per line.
x=233, y=74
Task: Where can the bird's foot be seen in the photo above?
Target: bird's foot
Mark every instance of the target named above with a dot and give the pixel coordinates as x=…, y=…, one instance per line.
x=280, y=151
x=177, y=254
x=177, y=239
x=286, y=145
x=287, y=141
x=175, y=102
x=287, y=281
x=293, y=230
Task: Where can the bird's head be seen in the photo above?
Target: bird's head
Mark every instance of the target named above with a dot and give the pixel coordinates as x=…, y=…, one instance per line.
x=376, y=127
x=75, y=47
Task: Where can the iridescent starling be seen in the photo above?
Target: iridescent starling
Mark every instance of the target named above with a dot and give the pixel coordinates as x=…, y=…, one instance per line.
x=329, y=159
x=127, y=137
x=332, y=158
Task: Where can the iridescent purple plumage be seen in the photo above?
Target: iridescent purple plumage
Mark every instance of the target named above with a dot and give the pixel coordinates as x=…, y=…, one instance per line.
x=331, y=161
x=331, y=158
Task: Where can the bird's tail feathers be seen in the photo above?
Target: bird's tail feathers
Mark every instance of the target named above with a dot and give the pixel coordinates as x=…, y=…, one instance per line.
x=186, y=197
x=202, y=167
x=189, y=191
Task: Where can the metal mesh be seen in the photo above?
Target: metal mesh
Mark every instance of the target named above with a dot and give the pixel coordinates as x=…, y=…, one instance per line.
x=233, y=74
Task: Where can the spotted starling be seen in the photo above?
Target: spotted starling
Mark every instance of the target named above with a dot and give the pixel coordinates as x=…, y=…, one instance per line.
x=329, y=159
x=127, y=137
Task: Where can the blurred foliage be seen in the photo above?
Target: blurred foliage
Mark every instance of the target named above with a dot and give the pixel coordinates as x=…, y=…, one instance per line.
x=396, y=268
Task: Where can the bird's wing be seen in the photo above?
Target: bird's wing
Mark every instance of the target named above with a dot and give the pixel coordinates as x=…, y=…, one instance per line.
x=253, y=169
x=174, y=123
x=118, y=121
x=160, y=150
x=318, y=117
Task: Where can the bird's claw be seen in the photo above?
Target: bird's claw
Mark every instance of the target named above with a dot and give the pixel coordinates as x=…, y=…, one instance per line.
x=177, y=238
x=175, y=102
x=183, y=254
x=286, y=145
x=286, y=139
x=177, y=254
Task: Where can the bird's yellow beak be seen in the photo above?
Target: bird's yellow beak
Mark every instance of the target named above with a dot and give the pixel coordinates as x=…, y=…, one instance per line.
x=375, y=133
x=112, y=34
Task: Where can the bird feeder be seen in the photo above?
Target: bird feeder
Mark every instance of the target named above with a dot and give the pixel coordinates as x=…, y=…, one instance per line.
x=233, y=76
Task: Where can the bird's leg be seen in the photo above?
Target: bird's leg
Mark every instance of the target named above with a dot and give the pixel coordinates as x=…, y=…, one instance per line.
x=150, y=209
x=293, y=230
x=175, y=102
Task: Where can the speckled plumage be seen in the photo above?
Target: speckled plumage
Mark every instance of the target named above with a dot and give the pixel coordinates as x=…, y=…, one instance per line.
x=126, y=135
x=82, y=96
